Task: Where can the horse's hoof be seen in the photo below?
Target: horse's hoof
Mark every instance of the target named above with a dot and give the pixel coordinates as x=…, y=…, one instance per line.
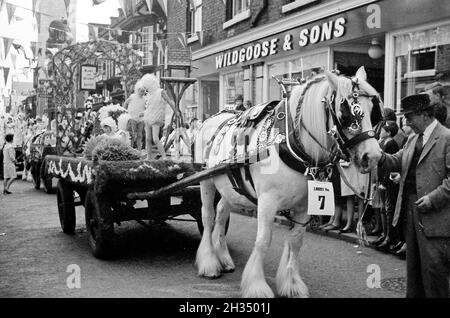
x=211, y=277
x=228, y=270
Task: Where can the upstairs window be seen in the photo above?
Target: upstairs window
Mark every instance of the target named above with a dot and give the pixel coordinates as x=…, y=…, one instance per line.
x=194, y=20
x=147, y=45
x=237, y=11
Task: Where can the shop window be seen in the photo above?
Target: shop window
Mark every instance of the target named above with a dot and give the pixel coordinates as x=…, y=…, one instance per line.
x=194, y=20
x=237, y=11
x=421, y=58
x=233, y=86
x=301, y=68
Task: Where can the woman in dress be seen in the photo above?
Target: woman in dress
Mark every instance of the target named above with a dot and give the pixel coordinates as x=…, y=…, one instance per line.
x=9, y=163
x=155, y=112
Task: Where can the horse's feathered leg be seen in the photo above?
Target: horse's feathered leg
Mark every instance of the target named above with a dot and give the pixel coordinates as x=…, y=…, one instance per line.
x=253, y=284
x=288, y=280
x=218, y=236
x=207, y=262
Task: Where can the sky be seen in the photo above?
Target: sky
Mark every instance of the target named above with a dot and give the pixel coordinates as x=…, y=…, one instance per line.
x=99, y=13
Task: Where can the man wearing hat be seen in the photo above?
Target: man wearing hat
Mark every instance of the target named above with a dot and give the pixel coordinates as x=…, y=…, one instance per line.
x=424, y=194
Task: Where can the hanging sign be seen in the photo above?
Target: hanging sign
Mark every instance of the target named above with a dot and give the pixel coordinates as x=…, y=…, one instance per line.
x=320, y=198
x=87, y=77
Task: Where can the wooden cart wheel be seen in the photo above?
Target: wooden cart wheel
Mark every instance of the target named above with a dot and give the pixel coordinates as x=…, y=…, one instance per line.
x=198, y=216
x=46, y=180
x=99, y=225
x=36, y=176
x=66, y=207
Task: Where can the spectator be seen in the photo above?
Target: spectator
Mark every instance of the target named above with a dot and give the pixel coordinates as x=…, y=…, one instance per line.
x=360, y=183
x=248, y=104
x=424, y=192
x=238, y=103
x=435, y=91
x=9, y=163
x=388, y=189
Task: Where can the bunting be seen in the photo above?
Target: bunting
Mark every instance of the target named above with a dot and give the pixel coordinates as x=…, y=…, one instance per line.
x=7, y=45
x=13, y=60
x=34, y=6
x=163, y=5
x=200, y=37
x=123, y=5
x=2, y=2
x=149, y=5
x=159, y=46
x=38, y=21
x=5, y=74
x=93, y=32
x=182, y=39
x=97, y=2
x=35, y=49
x=10, y=8
x=67, y=3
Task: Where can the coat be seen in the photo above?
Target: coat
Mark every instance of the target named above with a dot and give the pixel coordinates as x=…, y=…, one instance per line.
x=432, y=179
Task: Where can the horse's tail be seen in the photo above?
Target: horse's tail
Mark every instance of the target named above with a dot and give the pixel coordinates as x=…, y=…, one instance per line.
x=205, y=136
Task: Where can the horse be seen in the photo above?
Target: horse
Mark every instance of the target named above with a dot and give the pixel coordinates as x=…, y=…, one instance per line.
x=328, y=100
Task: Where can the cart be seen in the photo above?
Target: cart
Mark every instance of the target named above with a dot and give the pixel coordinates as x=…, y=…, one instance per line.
x=117, y=191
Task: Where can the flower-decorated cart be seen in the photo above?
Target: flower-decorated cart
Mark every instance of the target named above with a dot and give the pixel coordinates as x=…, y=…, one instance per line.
x=106, y=188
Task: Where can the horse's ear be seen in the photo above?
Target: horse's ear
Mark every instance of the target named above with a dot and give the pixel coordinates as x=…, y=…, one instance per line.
x=333, y=79
x=361, y=74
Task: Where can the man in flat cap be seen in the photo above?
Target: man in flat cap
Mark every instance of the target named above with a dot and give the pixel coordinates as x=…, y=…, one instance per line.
x=424, y=166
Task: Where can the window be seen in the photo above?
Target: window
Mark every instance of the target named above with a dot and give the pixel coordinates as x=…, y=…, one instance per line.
x=147, y=45
x=233, y=86
x=420, y=58
x=302, y=67
x=237, y=11
x=194, y=20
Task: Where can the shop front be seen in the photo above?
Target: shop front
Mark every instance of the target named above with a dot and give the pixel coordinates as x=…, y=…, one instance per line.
x=373, y=36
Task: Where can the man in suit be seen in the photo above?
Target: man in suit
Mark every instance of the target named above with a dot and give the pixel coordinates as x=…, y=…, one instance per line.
x=424, y=166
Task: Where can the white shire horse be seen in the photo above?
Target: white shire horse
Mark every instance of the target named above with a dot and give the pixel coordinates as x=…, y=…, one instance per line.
x=277, y=187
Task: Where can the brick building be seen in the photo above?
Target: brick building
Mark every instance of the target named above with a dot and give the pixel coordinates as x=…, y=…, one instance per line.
x=238, y=45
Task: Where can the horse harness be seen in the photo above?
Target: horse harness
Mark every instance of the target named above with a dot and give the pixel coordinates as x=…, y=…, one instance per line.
x=275, y=115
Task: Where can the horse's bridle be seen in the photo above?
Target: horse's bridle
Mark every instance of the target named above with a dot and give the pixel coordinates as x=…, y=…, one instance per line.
x=357, y=114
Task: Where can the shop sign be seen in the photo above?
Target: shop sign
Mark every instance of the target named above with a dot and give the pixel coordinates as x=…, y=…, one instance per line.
x=373, y=19
x=332, y=29
x=88, y=75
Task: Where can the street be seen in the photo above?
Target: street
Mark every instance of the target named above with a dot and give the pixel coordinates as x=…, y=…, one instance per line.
x=37, y=258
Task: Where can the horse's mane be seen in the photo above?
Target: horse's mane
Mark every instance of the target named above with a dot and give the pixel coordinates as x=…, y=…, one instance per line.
x=307, y=107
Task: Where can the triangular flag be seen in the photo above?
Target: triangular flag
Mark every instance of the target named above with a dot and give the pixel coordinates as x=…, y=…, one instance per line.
x=34, y=49
x=2, y=2
x=123, y=5
x=182, y=39
x=163, y=5
x=38, y=21
x=149, y=5
x=5, y=74
x=96, y=2
x=67, y=3
x=14, y=59
x=159, y=46
x=200, y=37
x=7, y=45
x=193, y=6
x=34, y=6
x=93, y=32
x=11, y=8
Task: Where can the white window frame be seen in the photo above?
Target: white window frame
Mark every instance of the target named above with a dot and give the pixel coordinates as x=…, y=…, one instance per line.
x=196, y=16
x=296, y=4
x=240, y=16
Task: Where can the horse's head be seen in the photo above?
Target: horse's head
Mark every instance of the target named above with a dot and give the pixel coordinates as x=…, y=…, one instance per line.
x=357, y=106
